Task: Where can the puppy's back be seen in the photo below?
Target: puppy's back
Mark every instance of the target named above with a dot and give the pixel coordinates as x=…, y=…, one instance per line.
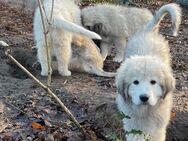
x=148, y=44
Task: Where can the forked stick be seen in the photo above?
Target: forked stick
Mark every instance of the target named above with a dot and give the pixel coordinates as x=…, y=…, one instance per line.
x=46, y=31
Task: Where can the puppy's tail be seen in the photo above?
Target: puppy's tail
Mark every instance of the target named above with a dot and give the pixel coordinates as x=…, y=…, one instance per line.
x=101, y=72
x=62, y=23
x=175, y=13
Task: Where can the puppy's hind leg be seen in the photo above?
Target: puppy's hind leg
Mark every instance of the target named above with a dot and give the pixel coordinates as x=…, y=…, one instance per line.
x=63, y=55
x=120, y=49
x=160, y=135
x=105, y=49
x=42, y=58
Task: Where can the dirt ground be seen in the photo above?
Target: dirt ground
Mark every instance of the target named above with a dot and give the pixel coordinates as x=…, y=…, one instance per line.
x=90, y=98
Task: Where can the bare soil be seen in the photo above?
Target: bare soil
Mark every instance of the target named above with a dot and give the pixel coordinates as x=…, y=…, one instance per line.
x=90, y=98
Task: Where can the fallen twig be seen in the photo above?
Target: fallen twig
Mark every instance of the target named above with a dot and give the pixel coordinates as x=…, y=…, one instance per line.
x=3, y=126
x=70, y=115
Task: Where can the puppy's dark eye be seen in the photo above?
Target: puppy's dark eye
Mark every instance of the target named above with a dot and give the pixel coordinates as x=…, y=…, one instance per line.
x=88, y=27
x=136, y=82
x=153, y=82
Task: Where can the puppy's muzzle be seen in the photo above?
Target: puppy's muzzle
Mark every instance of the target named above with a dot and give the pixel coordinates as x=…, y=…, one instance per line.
x=144, y=98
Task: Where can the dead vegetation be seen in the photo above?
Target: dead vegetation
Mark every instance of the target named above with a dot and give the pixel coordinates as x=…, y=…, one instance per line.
x=27, y=113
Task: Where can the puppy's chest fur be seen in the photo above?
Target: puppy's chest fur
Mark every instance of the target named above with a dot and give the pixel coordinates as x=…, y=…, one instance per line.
x=143, y=117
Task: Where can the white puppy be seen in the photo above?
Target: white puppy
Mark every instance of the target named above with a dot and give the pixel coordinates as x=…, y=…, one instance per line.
x=115, y=24
x=87, y=58
x=65, y=18
x=145, y=81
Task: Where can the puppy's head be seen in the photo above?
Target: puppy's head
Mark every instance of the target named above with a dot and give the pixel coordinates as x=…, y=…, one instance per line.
x=87, y=57
x=144, y=80
x=92, y=20
x=88, y=52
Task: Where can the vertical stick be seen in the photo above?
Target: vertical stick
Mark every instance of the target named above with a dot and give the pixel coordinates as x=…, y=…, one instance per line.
x=48, y=51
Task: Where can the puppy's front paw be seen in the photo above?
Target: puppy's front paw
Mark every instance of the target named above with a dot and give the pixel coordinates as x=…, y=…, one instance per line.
x=65, y=73
x=44, y=73
x=118, y=59
x=104, y=55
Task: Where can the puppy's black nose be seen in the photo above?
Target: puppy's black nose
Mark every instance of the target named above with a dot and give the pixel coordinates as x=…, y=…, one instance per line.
x=144, y=98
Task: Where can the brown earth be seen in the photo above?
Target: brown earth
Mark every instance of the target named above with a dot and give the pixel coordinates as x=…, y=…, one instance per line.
x=90, y=98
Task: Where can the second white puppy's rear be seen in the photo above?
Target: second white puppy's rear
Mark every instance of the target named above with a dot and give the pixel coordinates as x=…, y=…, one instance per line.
x=65, y=18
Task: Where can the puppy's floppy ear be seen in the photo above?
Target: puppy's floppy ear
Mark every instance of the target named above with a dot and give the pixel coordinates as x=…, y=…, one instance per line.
x=78, y=40
x=122, y=87
x=98, y=28
x=169, y=83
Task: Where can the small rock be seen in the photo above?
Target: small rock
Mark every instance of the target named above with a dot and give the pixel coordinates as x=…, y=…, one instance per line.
x=2, y=43
x=29, y=138
x=49, y=137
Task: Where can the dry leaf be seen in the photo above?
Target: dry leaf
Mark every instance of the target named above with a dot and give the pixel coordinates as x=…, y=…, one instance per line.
x=36, y=125
x=173, y=114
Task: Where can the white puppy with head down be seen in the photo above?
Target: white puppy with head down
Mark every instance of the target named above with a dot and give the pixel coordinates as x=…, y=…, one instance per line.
x=115, y=24
x=65, y=18
x=86, y=57
x=145, y=80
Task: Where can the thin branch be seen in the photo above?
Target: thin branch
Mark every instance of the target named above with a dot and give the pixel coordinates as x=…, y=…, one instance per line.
x=3, y=126
x=45, y=13
x=48, y=52
x=70, y=115
x=52, y=9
